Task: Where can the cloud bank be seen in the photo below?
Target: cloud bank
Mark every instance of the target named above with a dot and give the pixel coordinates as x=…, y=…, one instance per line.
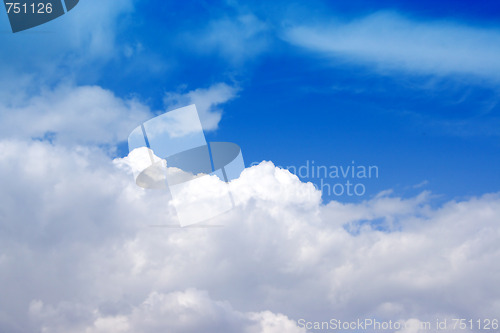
x=77, y=253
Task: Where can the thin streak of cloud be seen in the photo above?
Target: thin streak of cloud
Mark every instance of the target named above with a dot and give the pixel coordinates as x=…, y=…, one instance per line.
x=390, y=41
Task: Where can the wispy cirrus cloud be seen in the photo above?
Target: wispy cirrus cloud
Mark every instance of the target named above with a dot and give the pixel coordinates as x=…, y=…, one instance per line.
x=236, y=39
x=390, y=41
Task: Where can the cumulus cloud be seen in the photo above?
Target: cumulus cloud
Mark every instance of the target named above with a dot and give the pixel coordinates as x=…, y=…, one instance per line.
x=390, y=41
x=71, y=114
x=207, y=102
x=77, y=253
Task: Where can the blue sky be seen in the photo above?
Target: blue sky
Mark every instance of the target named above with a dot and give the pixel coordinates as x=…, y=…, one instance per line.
x=408, y=86
x=419, y=122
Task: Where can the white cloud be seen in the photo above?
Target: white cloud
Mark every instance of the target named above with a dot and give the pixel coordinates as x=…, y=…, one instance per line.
x=188, y=311
x=69, y=114
x=389, y=41
x=82, y=115
x=77, y=254
x=207, y=102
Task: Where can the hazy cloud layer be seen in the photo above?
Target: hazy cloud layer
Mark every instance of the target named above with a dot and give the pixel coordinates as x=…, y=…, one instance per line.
x=82, y=38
